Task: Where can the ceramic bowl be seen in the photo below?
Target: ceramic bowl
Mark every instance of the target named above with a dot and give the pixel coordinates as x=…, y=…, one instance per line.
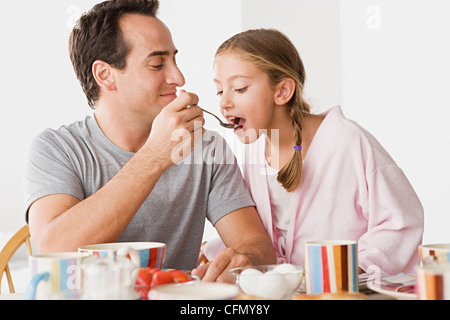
x=268, y=281
x=439, y=252
x=151, y=254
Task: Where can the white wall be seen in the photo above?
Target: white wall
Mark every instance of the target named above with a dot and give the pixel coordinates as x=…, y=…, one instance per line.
x=314, y=28
x=395, y=76
x=38, y=89
x=391, y=77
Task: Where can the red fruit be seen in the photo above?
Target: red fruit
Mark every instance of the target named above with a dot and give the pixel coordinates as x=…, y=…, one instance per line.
x=144, y=277
x=179, y=276
x=143, y=291
x=152, y=271
x=161, y=277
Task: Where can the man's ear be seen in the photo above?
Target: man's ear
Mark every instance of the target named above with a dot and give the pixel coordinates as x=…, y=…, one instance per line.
x=103, y=75
x=284, y=91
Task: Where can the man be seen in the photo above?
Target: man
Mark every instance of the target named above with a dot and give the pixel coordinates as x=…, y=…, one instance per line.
x=113, y=177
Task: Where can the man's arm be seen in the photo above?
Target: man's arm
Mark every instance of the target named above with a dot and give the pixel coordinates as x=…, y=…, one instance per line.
x=247, y=244
x=61, y=222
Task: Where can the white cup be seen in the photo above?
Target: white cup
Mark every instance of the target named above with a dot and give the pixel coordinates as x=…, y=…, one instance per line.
x=54, y=273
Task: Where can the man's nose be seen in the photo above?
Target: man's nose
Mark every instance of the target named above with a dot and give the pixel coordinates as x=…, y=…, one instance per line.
x=175, y=77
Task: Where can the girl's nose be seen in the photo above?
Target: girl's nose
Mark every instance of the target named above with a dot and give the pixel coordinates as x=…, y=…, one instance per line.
x=225, y=103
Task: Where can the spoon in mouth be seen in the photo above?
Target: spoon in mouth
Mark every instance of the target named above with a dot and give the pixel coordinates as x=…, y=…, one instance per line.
x=223, y=124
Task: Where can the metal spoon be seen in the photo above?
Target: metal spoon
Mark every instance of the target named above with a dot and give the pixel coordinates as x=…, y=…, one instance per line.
x=223, y=124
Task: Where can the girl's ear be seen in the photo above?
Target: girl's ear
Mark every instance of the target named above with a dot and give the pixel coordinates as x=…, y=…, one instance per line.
x=103, y=75
x=284, y=91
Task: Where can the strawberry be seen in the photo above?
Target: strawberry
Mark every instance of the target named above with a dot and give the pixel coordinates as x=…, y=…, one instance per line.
x=144, y=277
x=143, y=281
x=161, y=277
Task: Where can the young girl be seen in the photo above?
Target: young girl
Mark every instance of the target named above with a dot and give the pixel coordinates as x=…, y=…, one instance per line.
x=312, y=177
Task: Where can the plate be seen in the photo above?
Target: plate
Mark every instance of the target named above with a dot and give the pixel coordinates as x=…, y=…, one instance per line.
x=401, y=286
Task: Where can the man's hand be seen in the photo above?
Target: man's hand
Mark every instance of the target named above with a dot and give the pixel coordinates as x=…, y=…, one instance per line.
x=176, y=129
x=217, y=270
x=247, y=243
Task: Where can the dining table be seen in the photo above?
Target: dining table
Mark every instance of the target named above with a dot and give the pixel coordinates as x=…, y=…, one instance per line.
x=385, y=289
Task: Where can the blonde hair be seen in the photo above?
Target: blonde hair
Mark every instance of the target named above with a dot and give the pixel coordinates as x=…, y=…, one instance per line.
x=276, y=55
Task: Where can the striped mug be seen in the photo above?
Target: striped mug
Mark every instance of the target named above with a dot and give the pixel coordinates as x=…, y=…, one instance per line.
x=433, y=282
x=151, y=254
x=331, y=266
x=54, y=273
x=434, y=253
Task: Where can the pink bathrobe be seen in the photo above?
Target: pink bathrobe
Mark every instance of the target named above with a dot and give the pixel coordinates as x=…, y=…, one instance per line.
x=351, y=189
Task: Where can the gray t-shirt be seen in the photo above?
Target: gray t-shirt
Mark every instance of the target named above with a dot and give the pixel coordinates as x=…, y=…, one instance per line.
x=79, y=159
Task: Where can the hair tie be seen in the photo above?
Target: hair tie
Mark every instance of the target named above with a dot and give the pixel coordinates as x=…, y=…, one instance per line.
x=298, y=148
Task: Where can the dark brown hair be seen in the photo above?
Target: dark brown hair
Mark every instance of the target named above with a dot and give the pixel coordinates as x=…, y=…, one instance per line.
x=97, y=36
x=273, y=52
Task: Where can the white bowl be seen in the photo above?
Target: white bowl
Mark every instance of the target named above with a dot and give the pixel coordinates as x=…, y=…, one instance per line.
x=268, y=281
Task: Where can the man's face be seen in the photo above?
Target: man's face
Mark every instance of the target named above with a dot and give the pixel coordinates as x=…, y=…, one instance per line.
x=151, y=77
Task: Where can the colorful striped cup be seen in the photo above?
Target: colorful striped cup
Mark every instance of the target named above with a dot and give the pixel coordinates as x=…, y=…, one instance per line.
x=331, y=266
x=435, y=253
x=433, y=282
x=151, y=254
x=54, y=273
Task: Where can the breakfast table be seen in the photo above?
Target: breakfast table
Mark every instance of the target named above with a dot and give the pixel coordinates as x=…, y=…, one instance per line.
x=134, y=271
x=371, y=295
x=378, y=294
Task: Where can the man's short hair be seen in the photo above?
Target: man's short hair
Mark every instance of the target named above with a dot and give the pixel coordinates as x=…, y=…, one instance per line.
x=97, y=36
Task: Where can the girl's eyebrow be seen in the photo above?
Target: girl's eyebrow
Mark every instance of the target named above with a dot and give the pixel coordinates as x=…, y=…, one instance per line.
x=234, y=77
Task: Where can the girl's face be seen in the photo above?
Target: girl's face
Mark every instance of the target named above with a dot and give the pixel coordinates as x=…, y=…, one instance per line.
x=246, y=96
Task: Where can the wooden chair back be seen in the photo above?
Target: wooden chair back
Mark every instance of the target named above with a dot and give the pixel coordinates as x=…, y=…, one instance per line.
x=20, y=237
